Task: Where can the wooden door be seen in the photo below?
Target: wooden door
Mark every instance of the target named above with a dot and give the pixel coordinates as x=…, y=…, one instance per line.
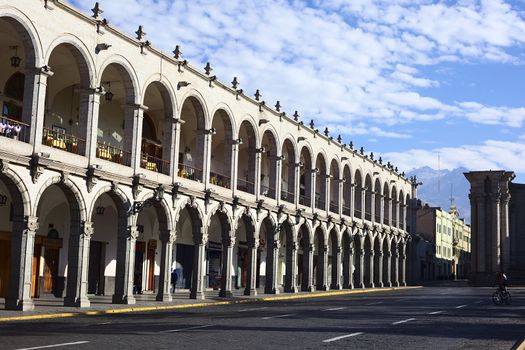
x=5, y=265
x=50, y=269
x=152, y=245
x=35, y=275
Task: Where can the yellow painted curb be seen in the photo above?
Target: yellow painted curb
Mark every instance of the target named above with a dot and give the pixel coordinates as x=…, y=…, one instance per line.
x=187, y=306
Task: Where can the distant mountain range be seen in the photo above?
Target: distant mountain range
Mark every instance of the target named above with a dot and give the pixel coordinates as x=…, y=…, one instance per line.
x=439, y=186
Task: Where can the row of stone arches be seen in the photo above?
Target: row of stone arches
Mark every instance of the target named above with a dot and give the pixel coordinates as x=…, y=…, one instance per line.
x=123, y=252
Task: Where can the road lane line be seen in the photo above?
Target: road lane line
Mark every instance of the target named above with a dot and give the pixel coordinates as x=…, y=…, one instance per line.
x=460, y=306
x=185, y=329
x=376, y=303
x=403, y=321
x=253, y=309
x=278, y=316
x=342, y=337
x=479, y=301
x=335, y=308
x=55, y=345
x=436, y=312
x=103, y=323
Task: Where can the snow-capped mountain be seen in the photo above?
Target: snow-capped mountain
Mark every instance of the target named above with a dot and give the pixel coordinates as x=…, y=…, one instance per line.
x=439, y=186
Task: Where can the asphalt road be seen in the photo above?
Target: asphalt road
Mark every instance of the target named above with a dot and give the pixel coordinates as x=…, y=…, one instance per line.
x=424, y=318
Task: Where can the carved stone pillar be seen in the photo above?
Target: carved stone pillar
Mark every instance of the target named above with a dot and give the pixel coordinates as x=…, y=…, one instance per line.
x=388, y=269
x=22, y=248
x=35, y=102
x=371, y=269
x=272, y=260
x=133, y=133
x=227, y=258
x=297, y=183
x=235, y=166
x=382, y=209
x=322, y=268
x=403, y=263
x=252, y=268
x=308, y=268
x=164, y=291
x=336, y=269
x=176, y=149
x=505, y=238
x=348, y=267
x=361, y=276
x=206, y=168
x=126, y=243
x=291, y=268
x=313, y=177
x=258, y=169
x=379, y=269
x=199, y=266
x=327, y=194
x=88, y=120
x=78, y=263
x=395, y=277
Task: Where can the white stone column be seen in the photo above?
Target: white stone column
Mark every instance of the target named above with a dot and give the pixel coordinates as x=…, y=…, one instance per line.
x=22, y=248
x=199, y=266
x=361, y=276
x=35, y=103
x=133, y=133
x=297, y=183
x=322, y=268
x=313, y=185
x=505, y=238
x=126, y=243
x=308, y=268
x=78, y=263
x=235, y=165
x=291, y=268
x=382, y=209
x=379, y=269
x=336, y=269
x=258, y=169
x=252, y=268
x=327, y=194
x=395, y=278
x=372, y=206
x=164, y=291
x=348, y=266
x=272, y=260
x=177, y=126
x=227, y=259
x=371, y=268
x=340, y=184
x=388, y=269
x=206, y=168
x=389, y=204
x=88, y=121
x=403, y=263
x=278, y=182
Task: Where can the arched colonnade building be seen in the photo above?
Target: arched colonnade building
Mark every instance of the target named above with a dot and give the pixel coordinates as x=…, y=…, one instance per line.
x=122, y=167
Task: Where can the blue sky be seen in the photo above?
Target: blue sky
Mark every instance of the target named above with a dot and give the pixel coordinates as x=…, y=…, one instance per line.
x=406, y=79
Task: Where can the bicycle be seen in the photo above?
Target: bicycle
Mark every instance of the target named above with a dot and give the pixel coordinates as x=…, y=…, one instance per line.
x=501, y=296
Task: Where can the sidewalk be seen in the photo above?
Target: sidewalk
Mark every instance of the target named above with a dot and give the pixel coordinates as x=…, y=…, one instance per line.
x=51, y=307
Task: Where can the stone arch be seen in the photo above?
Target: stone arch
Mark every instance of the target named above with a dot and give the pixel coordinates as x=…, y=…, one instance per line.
x=347, y=258
x=368, y=190
x=394, y=197
x=170, y=96
x=288, y=156
x=320, y=258
x=305, y=175
x=268, y=171
x=25, y=28
x=334, y=240
x=222, y=144
x=246, y=158
x=305, y=258
x=358, y=193
x=253, y=124
x=321, y=168
x=335, y=177
x=377, y=200
x=115, y=193
x=289, y=248
x=128, y=73
x=347, y=190
x=72, y=192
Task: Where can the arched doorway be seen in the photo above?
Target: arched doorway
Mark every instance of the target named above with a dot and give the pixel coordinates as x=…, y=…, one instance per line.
x=269, y=250
x=222, y=151
x=288, y=172
x=377, y=201
x=116, y=122
x=359, y=260
x=67, y=101
x=305, y=178
x=320, y=182
x=268, y=165
x=334, y=187
x=320, y=261
x=305, y=260
x=368, y=197
x=348, y=260
x=335, y=261
x=369, y=260
x=246, y=158
x=219, y=254
x=17, y=53
x=347, y=191
x=191, y=140
x=157, y=130
x=358, y=195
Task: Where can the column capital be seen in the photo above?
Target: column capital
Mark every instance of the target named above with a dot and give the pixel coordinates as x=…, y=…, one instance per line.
x=133, y=232
x=276, y=244
x=86, y=229
x=168, y=236
x=201, y=239
x=229, y=241
x=31, y=224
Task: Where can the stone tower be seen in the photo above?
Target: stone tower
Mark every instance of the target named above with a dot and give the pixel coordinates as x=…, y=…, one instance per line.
x=489, y=203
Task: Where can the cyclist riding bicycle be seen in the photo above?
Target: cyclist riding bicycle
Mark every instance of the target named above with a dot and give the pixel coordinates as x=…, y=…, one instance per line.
x=501, y=280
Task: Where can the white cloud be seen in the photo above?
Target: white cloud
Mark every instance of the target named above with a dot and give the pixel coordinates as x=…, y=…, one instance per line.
x=341, y=62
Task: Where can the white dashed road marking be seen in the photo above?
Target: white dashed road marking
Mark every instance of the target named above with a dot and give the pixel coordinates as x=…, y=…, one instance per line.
x=278, y=316
x=55, y=345
x=342, y=337
x=436, y=312
x=185, y=329
x=376, y=303
x=253, y=309
x=460, y=306
x=335, y=308
x=403, y=321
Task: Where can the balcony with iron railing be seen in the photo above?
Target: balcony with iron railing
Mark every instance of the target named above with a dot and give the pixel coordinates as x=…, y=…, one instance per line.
x=113, y=154
x=220, y=179
x=334, y=207
x=246, y=186
x=189, y=172
x=357, y=213
x=378, y=218
x=155, y=164
x=368, y=216
x=287, y=196
x=65, y=142
x=14, y=129
x=320, y=203
x=347, y=211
